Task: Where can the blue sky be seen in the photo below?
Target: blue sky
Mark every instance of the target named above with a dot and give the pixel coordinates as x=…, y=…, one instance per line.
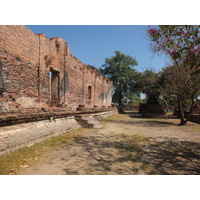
x=93, y=43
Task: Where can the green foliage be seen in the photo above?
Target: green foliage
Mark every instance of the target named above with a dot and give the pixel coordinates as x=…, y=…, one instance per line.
x=181, y=80
x=180, y=42
x=134, y=99
x=180, y=83
x=119, y=69
x=149, y=82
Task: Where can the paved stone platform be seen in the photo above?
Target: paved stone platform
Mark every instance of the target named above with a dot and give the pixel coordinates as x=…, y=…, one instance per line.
x=20, y=135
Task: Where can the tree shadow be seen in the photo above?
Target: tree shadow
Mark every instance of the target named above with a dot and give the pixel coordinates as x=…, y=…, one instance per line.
x=172, y=157
x=144, y=122
x=160, y=155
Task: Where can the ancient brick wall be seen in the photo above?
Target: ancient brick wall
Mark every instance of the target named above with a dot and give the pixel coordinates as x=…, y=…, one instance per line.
x=38, y=72
x=75, y=80
x=19, y=66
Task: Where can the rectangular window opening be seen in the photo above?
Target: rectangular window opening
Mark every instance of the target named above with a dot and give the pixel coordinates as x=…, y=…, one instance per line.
x=89, y=92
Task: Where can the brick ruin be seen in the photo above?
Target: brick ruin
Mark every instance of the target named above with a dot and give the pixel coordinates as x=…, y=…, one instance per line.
x=45, y=91
x=39, y=73
x=152, y=108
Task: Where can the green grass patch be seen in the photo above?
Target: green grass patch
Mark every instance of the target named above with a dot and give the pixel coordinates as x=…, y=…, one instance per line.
x=114, y=117
x=14, y=162
x=169, y=113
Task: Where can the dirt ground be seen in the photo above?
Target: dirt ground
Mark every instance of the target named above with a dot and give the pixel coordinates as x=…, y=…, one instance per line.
x=127, y=144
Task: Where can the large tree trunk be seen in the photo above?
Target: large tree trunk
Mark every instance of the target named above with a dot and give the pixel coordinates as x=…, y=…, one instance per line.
x=181, y=112
x=185, y=119
x=120, y=97
x=166, y=105
x=120, y=101
x=120, y=108
x=191, y=108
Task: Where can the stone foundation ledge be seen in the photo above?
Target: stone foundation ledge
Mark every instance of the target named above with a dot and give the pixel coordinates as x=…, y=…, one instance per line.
x=17, y=118
x=21, y=135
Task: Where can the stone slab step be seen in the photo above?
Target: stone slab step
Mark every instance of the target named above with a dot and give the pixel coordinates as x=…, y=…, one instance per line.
x=88, y=121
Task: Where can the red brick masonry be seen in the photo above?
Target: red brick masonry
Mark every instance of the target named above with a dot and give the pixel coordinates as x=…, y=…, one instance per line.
x=37, y=73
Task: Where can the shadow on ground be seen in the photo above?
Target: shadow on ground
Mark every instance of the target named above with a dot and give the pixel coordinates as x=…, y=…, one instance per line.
x=135, y=155
x=145, y=122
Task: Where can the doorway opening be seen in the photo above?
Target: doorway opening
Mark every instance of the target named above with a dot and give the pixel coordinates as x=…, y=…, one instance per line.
x=54, y=87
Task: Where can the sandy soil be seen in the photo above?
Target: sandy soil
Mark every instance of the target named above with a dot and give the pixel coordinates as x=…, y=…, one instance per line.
x=128, y=144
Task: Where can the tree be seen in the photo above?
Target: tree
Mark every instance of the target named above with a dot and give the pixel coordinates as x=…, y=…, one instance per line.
x=184, y=86
x=135, y=100
x=148, y=82
x=151, y=84
x=182, y=44
x=119, y=69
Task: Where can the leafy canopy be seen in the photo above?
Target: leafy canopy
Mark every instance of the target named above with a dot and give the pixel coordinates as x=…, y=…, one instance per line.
x=119, y=69
x=182, y=44
x=149, y=82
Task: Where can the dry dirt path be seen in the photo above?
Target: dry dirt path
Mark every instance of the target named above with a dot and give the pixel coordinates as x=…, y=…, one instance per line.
x=128, y=144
